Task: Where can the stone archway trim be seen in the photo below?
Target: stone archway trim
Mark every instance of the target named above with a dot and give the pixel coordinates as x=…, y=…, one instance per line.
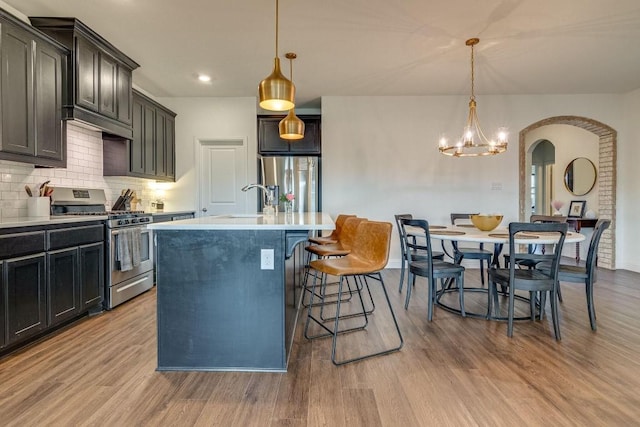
x=606, y=176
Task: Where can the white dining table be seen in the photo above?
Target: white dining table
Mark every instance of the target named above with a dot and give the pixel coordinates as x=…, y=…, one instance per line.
x=500, y=235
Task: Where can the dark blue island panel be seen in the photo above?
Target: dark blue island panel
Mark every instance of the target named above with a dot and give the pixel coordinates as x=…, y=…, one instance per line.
x=217, y=309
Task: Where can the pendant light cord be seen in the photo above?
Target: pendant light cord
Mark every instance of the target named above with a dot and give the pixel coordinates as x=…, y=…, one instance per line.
x=276, y=28
x=473, y=92
x=291, y=69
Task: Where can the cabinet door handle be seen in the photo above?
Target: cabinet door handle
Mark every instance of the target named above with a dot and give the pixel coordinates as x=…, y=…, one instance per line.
x=204, y=209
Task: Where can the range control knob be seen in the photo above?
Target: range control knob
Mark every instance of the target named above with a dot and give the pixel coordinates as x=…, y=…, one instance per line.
x=123, y=221
x=134, y=220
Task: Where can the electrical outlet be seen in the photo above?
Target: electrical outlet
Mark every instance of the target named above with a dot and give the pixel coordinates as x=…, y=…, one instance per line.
x=266, y=259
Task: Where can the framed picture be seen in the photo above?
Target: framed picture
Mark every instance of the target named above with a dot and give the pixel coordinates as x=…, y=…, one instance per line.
x=576, y=208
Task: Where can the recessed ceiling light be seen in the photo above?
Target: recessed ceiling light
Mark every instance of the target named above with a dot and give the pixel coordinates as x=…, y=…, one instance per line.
x=204, y=78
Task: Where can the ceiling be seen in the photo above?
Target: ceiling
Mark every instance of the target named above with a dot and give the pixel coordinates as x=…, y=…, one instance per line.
x=368, y=47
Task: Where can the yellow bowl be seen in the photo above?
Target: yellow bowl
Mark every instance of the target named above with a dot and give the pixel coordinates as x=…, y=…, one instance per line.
x=486, y=222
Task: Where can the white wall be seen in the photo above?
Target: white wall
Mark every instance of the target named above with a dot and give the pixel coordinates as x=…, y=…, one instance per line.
x=628, y=207
x=208, y=118
x=380, y=154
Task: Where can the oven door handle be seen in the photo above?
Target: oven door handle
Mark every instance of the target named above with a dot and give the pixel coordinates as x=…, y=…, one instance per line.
x=116, y=232
x=131, y=285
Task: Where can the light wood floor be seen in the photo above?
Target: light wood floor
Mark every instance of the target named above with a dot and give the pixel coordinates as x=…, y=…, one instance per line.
x=453, y=371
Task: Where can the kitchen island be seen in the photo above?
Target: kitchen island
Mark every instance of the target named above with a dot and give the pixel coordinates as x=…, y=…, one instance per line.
x=228, y=290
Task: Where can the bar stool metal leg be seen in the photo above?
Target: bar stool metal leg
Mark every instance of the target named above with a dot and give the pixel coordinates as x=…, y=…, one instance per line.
x=379, y=353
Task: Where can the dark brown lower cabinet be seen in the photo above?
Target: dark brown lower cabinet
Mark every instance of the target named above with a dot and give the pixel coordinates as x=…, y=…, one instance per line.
x=91, y=275
x=63, y=285
x=48, y=277
x=3, y=338
x=75, y=282
x=24, y=285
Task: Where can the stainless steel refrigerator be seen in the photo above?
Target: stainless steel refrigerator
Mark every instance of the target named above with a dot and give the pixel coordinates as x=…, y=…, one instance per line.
x=296, y=174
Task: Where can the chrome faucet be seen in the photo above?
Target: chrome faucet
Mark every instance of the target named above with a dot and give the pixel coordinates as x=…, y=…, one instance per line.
x=268, y=193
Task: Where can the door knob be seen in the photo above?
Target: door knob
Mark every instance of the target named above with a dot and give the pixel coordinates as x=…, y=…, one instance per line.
x=204, y=209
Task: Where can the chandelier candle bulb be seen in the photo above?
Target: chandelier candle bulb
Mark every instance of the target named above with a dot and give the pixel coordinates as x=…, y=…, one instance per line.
x=443, y=141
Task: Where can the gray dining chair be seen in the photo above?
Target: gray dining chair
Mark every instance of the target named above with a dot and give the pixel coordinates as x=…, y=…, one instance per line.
x=532, y=280
x=535, y=218
x=416, y=254
x=429, y=267
x=584, y=274
x=459, y=253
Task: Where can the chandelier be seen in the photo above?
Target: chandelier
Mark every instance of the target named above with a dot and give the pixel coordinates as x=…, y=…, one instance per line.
x=276, y=91
x=473, y=142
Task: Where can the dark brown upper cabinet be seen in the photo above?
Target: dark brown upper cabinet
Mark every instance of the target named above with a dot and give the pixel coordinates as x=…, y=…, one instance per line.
x=270, y=143
x=98, y=89
x=32, y=74
x=150, y=153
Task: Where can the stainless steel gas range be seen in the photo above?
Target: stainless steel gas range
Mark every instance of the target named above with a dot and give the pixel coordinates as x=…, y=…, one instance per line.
x=129, y=251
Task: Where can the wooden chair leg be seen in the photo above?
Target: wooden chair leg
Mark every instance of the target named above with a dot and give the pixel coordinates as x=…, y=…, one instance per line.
x=492, y=299
x=532, y=305
x=491, y=286
x=590, y=307
x=411, y=282
x=554, y=313
x=543, y=303
x=402, y=266
x=559, y=293
x=511, y=309
x=460, y=282
x=431, y=295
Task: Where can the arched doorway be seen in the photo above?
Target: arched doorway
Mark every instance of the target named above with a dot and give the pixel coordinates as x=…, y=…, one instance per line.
x=542, y=163
x=606, y=177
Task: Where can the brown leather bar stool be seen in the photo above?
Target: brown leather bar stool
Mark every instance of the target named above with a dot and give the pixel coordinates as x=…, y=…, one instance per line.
x=334, y=237
x=343, y=245
x=369, y=255
x=341, y=248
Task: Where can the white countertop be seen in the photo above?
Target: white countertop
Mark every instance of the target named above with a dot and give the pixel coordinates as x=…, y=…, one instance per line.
x=281, y=221
x=34, y=221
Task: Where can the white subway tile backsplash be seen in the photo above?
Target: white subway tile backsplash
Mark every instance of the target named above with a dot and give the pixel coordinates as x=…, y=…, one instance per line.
x=84, y=169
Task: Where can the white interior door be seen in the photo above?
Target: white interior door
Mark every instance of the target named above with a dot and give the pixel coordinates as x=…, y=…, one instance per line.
x=222, y=174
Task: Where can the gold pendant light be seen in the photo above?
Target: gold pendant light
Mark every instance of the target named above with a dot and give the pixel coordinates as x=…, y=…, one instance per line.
x=473, y=142
x=291, y=127
x=276, y=91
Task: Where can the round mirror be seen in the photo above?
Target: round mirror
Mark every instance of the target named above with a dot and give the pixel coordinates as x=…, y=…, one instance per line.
x=580, y=176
